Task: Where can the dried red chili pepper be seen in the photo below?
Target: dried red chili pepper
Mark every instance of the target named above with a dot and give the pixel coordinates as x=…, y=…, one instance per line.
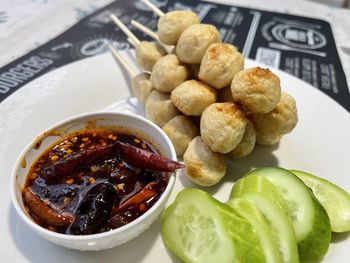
x=147, y=160
x=149, y=191
x=46, y=211
x=72, y=162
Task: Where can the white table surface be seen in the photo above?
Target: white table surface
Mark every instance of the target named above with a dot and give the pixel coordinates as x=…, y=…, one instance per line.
x=22, y=28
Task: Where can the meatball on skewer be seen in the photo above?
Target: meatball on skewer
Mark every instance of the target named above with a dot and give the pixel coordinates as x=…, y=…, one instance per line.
x=219, y=64
x=147, y=53
x=281, y=120
x=222, y=126
x=159, y=108
x=257, y=89
x=194, y=41
x=172, y=24
x=168, y=73
x=140, y=83
x=181, y=130
x=247, y=144
x=192, y=97
x=203, y=166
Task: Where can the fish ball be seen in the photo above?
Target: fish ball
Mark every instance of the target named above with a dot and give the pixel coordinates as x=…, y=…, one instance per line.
x=181, y=130
x=192, y=97
x=279, y=121
x=148, y=53
x=247, y=144
x=194, y=41
x=141, y=86
x=203, y=166
x=219, y=64
x=257, y=89
x=172, y=24
x=168, y=73
x=222, y=126
x=159, y=108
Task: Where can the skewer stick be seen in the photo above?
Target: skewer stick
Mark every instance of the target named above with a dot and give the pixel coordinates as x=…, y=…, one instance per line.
x=126, y=30
x=122, y=61
x=145, y=30
x=131, y=42
x=149, y=32
x=152, y=7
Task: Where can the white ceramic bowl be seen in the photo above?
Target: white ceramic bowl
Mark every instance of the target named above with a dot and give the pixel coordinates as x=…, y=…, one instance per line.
x=138, y=126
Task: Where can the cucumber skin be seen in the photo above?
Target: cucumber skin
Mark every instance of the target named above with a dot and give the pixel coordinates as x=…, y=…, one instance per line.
x=317, y=245
x=248, y=210
x=344, y=226
x=245, y=251
x=240, y=188
x=320, y=245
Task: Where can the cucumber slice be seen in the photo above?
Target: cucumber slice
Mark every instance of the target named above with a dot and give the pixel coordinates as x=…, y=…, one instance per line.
x=250, y=212
x=334, y=199
x=310, y=220
x=198, y=228
x=267, y=199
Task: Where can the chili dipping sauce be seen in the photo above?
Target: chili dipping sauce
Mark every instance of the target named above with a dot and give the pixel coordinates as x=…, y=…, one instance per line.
x=83, y=185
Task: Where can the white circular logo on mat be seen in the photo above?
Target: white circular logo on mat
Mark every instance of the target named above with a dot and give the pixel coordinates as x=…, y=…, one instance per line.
x=299, y=36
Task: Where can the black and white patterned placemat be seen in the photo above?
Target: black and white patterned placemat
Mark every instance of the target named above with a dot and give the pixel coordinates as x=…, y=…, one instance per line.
x=301, y=46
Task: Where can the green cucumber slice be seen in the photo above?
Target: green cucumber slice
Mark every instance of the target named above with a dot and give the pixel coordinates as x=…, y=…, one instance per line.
x=310, y=220
x=334, y=199
x=268, y=200
x=250, y=212
x=198, y=228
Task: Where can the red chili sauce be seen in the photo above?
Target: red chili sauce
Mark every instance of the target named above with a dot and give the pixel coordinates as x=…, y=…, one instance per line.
x=82, y=185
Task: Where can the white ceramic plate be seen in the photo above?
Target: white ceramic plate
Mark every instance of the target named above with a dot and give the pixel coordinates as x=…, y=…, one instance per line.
x=320, y=144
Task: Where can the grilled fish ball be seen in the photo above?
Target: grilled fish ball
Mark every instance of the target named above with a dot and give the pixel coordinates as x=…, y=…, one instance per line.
x=192, y=97
x=168, y=73
x=181, y=130
x=148, y=53
x=172, y=24
x=266, y=140
x=279, y=121
x=222, y=126
x=159, y=108
x=219, y=64
x=257, y=89
x=141, y=86
x=203, y=166
x=247, y=144
x=194, y=41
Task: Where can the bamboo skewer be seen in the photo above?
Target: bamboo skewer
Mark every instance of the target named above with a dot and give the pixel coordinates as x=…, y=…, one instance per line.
x=144, y=59
x=145, y=30
x=131, y=42
x=149, y=32
x=153, y=8
x=126, y=30
x=122, y=61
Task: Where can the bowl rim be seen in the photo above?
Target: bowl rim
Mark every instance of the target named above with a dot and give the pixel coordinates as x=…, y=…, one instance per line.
x=96, y=236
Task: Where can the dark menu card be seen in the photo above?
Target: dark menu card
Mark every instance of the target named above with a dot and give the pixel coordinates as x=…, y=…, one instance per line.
x=301, y=46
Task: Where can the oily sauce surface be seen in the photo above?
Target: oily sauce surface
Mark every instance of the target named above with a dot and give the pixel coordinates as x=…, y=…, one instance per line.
x=85, y=191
